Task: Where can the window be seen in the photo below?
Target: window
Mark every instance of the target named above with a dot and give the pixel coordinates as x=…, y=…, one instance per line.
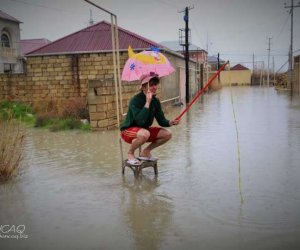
x=8, y=68
x=5, y=41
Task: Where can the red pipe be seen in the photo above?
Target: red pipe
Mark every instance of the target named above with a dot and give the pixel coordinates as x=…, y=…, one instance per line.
x=201, y=91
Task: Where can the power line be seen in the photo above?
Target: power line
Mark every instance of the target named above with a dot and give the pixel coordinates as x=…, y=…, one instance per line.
x=167, y=3
x=36, y=4
x=282, y=66
x=194, y=28
x=282, y=27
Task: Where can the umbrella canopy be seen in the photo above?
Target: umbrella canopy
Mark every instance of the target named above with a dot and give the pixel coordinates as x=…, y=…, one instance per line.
x=145, y=63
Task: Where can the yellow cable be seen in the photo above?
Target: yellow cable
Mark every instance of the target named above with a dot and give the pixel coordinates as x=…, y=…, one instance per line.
x=238, y=145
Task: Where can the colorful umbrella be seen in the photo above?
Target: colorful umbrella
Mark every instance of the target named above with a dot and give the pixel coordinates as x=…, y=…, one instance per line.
x=146, y=62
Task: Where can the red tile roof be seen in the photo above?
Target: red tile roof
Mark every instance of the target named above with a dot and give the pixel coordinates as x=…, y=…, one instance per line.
x=5, y=16
x=95, y=38
x=28, y=45
x=239, y=67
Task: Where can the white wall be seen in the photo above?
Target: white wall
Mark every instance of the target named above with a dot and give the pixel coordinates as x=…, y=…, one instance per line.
x=11, y=55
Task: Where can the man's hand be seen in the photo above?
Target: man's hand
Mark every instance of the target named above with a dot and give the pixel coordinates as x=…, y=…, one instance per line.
x=148, y=98
x=174, y=122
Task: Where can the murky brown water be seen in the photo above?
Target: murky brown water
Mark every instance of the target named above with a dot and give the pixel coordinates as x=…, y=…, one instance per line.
x=72, y=194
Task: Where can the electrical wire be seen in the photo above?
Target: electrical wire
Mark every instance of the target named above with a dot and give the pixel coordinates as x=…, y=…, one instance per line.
x=282, y=66
x=167, y=3
x=36, y=4
x=282, y=28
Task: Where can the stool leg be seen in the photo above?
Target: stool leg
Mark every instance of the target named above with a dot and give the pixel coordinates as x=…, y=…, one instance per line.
x=123, y=168
x=137, y=172
x=155, y=169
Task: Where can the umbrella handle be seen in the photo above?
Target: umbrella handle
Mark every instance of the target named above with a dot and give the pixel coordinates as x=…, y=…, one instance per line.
x=201, y=91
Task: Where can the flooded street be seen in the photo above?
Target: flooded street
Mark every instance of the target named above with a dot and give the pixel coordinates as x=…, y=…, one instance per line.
x=72, y=195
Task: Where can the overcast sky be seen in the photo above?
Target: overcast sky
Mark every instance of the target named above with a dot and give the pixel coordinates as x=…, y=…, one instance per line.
x=234, y=28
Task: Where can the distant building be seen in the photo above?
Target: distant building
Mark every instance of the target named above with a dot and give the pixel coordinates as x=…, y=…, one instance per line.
x=196, y=53
x=237, y=75
x=28, y=45
x=239, y=67
x=10, y=50
x=212, y=62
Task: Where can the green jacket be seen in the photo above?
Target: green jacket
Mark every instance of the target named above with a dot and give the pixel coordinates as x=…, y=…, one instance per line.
x=139, y=116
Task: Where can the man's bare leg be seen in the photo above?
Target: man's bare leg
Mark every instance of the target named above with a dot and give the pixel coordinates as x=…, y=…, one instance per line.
x=163, y=136
x=142, y=137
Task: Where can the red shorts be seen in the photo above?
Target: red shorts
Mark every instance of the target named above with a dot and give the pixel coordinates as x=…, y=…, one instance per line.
x=129, y=134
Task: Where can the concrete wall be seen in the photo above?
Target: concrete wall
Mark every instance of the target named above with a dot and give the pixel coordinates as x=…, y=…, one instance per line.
x=235, y=77
x=171, y=84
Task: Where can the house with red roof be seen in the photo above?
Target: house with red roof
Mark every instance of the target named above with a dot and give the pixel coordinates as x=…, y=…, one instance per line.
x=80, y=65
x=96, y=40
x=237, y=75
x=239, y=67
x=28, y=45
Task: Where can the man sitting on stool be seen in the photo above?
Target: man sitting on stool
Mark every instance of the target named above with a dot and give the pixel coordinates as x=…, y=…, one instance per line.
x=136, y=128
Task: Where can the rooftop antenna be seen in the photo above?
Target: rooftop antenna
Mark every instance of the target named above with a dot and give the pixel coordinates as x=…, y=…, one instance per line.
x=91, y=21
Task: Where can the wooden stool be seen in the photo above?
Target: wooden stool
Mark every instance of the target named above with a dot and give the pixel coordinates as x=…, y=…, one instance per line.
x=137, y=169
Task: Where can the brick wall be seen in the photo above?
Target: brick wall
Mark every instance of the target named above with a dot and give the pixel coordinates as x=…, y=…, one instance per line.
x=57, y=77
x=102, y=102
x=64, y=77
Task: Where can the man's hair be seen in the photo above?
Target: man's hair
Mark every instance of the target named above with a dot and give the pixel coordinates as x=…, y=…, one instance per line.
x=154, y=80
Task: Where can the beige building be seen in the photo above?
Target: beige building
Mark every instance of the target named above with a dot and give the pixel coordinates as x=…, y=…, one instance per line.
x=237, y=75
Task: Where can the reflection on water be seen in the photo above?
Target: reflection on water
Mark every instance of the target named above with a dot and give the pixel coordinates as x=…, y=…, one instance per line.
x=72, y=195
x=147, y=214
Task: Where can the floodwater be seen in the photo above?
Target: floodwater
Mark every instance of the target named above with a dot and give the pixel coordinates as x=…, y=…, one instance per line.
x=214, y=190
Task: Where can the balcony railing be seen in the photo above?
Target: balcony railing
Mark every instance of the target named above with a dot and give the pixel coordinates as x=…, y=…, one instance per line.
x=8, y=52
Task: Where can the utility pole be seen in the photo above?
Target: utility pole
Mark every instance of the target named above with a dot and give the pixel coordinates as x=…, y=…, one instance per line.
x=268, y=70
x=253, y=63
x=291, y=7
x=253, y=70
x=218, y=67
x=187, y=55
x=273, y=71
x=262, y=74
